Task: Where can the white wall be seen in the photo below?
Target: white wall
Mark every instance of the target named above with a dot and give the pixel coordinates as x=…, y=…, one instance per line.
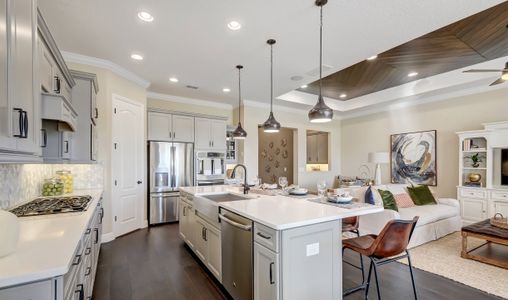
x=167, y=104
x=372, y=133
x=252, y=116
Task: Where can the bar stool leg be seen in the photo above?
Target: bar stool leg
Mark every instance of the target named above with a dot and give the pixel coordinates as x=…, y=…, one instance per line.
x=377, y=281
x=367, y=286
x=412, y=275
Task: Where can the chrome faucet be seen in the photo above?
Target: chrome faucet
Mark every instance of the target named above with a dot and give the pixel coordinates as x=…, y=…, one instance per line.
x=246, y=187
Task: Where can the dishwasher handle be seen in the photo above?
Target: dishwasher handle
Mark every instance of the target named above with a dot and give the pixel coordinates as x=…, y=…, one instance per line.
x=235, y=224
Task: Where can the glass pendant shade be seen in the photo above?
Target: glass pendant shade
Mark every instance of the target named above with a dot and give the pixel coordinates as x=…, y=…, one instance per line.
x=239, y=133
x=271, y=125
x=320, y=113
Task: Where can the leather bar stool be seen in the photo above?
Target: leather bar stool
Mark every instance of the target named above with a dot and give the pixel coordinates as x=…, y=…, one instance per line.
x=351, y=225
x=389, y=246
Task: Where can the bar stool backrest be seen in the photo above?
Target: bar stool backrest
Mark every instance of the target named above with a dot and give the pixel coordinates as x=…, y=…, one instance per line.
x=394, y=238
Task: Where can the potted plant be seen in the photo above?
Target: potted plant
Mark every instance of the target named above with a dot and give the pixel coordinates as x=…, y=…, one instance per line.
x=476, y=160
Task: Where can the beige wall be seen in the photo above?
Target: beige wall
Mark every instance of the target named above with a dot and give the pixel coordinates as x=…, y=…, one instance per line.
x=254, y=116
x=109, y=84
x=372, y=133
x=191, y=108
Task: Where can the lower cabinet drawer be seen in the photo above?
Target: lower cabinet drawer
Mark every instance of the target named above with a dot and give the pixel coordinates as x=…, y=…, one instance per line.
x=266, y=236
x=499, y=195
x=473, y=193
x=42, y=290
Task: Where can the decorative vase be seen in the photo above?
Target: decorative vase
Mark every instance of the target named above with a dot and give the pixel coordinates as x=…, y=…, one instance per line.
x=473, y=177
x=9, y=234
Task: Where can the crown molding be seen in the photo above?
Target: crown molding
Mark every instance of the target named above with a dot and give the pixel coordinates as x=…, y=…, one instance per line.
x=105, y=64
x=178, y=99
x=257, y=104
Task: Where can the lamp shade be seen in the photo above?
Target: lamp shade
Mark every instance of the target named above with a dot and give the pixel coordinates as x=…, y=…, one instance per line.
x=379, y=157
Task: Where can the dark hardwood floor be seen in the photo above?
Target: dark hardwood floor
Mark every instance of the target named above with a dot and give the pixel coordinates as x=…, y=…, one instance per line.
x=154, y=264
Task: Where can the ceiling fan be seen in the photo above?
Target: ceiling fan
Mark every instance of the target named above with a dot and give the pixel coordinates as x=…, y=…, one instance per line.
x=503, y=78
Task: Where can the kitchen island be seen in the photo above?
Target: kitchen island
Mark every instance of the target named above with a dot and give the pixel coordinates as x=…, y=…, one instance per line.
x=294, y=244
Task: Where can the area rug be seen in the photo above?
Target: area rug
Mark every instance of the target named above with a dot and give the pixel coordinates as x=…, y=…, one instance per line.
x=442, y=257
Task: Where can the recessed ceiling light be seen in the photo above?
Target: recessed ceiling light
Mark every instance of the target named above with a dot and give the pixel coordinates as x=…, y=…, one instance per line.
x=173, y=79
x=226, y=90
x=412, y=74
x=145, y=16
x=136, y=56
x=372, y=57
x=304, y=86
x=234, y=25
x=343, y=96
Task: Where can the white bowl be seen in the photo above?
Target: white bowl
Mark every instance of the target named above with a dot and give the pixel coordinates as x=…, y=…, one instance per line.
x=9, y=235
x=299, y=191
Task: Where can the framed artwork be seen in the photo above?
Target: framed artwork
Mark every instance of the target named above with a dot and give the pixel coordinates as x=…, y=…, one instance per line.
x=413, y=158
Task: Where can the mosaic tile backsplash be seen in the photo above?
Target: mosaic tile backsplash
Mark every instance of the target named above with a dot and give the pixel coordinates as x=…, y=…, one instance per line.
x=22, y=182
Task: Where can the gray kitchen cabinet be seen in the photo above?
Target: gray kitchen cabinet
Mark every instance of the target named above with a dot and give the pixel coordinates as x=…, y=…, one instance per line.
x=170, y=127
x=42, y=290
x=266, y=273
x=19, y=99
x=56, y=143
x=84, y=142
x=210, y=134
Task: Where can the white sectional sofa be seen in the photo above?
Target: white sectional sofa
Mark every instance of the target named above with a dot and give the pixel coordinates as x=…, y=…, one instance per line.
x=435, y=221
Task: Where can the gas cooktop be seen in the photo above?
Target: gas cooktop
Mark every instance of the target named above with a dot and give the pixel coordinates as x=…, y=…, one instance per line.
x=52, y=205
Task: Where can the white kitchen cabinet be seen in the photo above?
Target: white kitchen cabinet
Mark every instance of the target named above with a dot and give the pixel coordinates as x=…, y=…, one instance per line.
x=473, y=210
x=200, y=244
x=159, y=126
x=19, y=98
x=500, y=207
x=170, y=127
x=214, y=255
x=317, y=148
x=41, y=290
x=46, y=66
x=266, y=273
x=185, y=223
x=210, y=134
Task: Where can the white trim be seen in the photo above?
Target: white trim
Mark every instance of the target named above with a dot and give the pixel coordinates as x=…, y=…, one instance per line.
x=107, y=237
x=300, y=111
x=105, y=64
x=178, y=99
x=114, y=206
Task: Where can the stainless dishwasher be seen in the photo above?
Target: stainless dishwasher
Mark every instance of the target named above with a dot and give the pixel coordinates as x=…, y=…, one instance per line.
x=237, y=259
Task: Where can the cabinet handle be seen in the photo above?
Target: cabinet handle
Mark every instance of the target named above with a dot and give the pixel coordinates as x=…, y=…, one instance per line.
x=78, y=260
x=81, y=291
x=88, y=251
x=88, y=230
x=102, y=215
x=57, y=85
x=203, y=233
x=25, y=124
x=88, y=271
x=266, y=237
x=184, y=211
x=96, y=113
x=21, y=123
x=206, y=234
x=96, y=235
x=66, y=148
x=44, y=138
x=271, y=273
x=174, y=134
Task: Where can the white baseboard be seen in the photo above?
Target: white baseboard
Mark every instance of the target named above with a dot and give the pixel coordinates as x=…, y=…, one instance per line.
x=107, y=237
x=145, y=224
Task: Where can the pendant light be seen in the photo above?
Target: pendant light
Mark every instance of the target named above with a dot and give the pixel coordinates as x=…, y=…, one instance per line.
x=271, y=125
x=321, y=112
x=239, y=133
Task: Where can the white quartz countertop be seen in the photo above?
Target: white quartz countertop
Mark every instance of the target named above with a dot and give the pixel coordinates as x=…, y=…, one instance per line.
x=46, y=244
x=282, y=212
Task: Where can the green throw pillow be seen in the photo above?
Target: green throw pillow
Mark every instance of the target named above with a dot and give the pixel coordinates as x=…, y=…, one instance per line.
x=421, y=195
x=388, y=200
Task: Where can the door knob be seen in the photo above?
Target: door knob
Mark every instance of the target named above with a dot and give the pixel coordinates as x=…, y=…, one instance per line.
x=140, y=182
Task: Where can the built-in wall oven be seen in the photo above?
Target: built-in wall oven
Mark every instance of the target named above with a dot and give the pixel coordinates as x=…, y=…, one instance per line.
x=210, y=168
x=237, y=255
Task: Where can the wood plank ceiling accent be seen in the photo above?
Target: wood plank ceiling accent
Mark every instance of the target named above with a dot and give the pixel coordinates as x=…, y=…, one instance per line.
x=475, y=39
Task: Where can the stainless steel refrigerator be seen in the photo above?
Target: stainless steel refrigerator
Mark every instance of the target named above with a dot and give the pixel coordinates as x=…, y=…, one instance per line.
x=171, y=166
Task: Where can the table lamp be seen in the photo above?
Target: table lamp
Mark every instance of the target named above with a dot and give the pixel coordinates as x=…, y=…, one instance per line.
x=378, y=158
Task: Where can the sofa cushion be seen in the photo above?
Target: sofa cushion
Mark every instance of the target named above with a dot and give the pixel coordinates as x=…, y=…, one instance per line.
x=388, y=200
x=429, y=213
x=421, y=195
x=403, y=200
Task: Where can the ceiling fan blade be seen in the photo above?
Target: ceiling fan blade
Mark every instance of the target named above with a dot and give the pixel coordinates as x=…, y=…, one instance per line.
x=500, y=80
x=481, y=70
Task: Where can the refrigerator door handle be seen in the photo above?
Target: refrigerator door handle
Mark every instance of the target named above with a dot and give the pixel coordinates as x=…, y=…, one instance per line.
x=173, y=175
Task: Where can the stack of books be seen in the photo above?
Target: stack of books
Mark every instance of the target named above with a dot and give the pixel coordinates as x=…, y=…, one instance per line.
x=467, y=145
x=473, y=184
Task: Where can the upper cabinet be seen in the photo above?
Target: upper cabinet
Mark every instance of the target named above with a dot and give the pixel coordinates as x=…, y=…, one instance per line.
x=317, y=147
x=20, y=121
x=210, y=134
x=170, y=127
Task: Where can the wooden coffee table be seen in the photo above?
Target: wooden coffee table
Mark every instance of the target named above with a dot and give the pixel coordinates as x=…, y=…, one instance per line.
x=495, y=249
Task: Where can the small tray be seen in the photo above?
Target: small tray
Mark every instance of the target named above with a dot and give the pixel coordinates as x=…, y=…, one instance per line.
x=499, y=221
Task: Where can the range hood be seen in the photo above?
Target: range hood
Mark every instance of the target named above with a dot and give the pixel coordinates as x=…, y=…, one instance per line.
x=56, y=107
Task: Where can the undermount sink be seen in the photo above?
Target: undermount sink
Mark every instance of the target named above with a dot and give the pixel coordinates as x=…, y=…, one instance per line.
x=225, y=197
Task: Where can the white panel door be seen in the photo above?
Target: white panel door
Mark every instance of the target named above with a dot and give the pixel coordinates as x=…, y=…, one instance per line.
x=266, y=273
x=159, y=127
x=218, y=134
x=203, y=139
x=127, y=164
x=200, y=246
x=474, y=210
x=183, y=128
x=7, y=141
x=214, y=262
